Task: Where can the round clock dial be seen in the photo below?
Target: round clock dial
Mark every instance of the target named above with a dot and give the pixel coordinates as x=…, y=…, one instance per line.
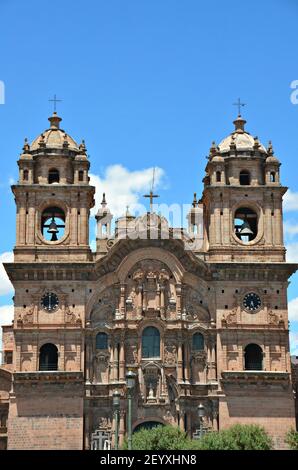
x=50, y=301
x=252, y=302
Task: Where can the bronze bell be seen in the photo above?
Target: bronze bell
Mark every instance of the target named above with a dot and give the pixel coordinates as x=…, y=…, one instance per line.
x=245, y=229
x=53, y=230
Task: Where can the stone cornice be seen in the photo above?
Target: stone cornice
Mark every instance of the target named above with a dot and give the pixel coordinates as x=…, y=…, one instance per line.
x=48, y=376
x=255, y=376
x=252, y=271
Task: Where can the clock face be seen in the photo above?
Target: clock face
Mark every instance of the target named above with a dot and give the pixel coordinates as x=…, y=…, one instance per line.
x=50, y=301
x=252, y=302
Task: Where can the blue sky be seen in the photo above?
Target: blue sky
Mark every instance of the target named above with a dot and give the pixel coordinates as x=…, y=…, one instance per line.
x=149, y=83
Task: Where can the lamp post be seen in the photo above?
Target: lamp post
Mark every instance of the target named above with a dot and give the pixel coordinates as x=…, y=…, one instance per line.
x=130, y=383
x=116, y=406
x=201, y=414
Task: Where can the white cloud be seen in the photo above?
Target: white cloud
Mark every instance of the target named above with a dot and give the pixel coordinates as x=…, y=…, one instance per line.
x=123, y=187
x=293, y=309
x=5, y=284
x=6, y=317
x=294, y=343
x=290, y=201
x=290, y=228
x=292, y=252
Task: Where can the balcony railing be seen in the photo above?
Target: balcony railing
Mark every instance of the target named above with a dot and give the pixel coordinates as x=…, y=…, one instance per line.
x=253, y=366
x=48, y=367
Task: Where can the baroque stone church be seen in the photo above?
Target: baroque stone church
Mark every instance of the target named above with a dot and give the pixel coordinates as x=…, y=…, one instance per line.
x=198, y=314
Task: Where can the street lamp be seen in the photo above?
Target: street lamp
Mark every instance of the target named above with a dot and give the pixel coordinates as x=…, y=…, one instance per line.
x=130, y=383
x=116, y=407
x=201, y=414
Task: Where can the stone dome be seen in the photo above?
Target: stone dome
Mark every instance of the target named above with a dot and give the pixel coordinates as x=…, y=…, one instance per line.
x=54, y=137
x=241, y=139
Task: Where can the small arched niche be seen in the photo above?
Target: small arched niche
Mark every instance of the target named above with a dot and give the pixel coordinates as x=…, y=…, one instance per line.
x=48, y=357
x=253, y=357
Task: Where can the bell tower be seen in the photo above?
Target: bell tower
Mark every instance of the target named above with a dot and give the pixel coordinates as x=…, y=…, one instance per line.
x=53, y=198
x=243, y=199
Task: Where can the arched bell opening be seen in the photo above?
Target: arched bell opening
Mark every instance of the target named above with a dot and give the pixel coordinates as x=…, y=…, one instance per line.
x=53, y=224
x=244, y=178
x=246, y=224
x=54, y=176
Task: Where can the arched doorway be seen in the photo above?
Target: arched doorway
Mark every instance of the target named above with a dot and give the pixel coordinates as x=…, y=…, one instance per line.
x=48, y=357
x=147, y=425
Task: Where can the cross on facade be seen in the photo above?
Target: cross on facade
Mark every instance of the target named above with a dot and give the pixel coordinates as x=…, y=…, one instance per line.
x=55, y=101
x=239, y=104
x=151, y=194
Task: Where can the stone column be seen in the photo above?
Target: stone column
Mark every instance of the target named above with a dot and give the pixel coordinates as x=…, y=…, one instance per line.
x=140, y=298
x=181, y=419
x=217, y=226
x=31, y=223
x=122, y=299
x=162, y=299
x=121, y=427
x=213, y=361
x=84, y=226
x=87, y=430
x=112, y=363
x=116, y=359
x=122, y=360
x=22, y=225
x=180, y=362
x=178, y=300
x=73, y=225
x=186, y=361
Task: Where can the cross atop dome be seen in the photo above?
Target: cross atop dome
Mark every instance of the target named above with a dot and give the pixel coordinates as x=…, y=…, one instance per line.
x=239, y=122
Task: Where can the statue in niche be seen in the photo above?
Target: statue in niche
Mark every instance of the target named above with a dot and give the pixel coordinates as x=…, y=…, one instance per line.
x=170, y=353
x=100, y=364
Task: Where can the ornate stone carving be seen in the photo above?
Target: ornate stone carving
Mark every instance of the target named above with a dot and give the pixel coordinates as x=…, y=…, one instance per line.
x=230, y=318
x=199, y=357
x=170, y=353
x=193, y=305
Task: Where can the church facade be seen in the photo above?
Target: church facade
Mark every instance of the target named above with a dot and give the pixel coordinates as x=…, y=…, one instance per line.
x=198, y=314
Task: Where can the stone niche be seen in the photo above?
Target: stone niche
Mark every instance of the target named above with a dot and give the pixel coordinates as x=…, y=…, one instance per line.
x=150, y=290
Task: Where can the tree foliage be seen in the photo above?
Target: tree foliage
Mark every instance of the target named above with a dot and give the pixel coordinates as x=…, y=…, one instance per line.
x=292, y=439
x=159, y=438
x=238, y=437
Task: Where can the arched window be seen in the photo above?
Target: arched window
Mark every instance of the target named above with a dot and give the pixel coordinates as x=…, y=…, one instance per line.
x=272, y=177
x=101, y=341
x=54, y=176
x=53, y=219
x=253, y=357
x=25, y=175
x=150, y=342
x=48, y=357
x=218, y=176
x=246, y=224
x=81, y=175
x=198, y=342
x=244, y=178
